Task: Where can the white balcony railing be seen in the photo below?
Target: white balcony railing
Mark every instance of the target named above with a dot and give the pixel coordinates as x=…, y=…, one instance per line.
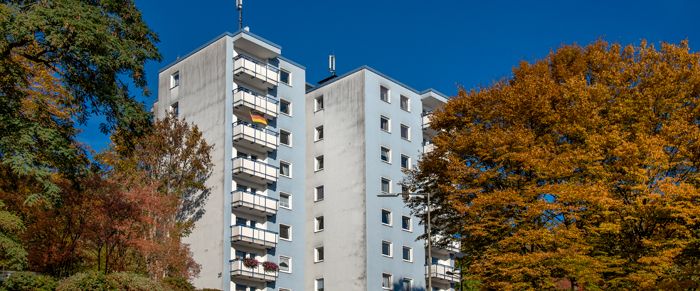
x=443, y=273
x=428, y=147
x=426, y=120
x=261, y=138
x=254, y=171
x=247, y=67
x=245, y=98
x=253, y=203
x=239, y=270
x=254, y=237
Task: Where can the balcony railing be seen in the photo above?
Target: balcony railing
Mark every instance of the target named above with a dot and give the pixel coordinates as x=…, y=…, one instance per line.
x=267, y=74
x=253, y=203
x=247, y=135
x=254, y=237
x=442, y=273
x=239, y=270
x=426, y=120
x=428, y=147
x=245, y=98
x=254, y=171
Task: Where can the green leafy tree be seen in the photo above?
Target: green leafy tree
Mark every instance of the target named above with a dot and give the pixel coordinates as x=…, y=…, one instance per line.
x=21, y=281
x=13, y=256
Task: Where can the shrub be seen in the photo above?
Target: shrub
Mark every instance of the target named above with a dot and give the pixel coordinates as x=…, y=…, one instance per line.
x=85, y=281
x=28, y=281
x=177, y=284
x=115, y=281
x=133, y=282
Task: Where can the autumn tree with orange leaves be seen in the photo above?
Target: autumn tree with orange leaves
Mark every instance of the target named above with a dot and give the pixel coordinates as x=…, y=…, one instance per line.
x=583, y=167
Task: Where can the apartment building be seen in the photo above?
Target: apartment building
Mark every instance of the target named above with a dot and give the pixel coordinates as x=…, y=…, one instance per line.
x=297, y=171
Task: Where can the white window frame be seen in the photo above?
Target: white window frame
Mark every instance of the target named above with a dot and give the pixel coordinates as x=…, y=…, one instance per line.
x=316, y=254
x=319, y=163
x=410, y=254
x=391, y=217
x=289, y=137
x=410, y=223
x=290, y=77
x=175, y=81
x=288, y=106
x=391, y=249
x=319, y=226
x=408, y=131
x=289, y=197
x=381, y=183
x=289, y=263
x=381, y=152
x=391, y=279
x=316, y=281
x=410, y=283
x=174, y=108
x=289, y=232
x=289, y=166
x=388, y=123
x=408, y=103
x=388, y=93
x=316, y=193
x=408, y=162
x=318, y=133
x=322, y=106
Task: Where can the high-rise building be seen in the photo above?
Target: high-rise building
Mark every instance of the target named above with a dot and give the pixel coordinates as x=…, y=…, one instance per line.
x=297, y=171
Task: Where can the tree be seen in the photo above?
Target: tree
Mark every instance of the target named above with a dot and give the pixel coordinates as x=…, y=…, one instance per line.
x=13, y=256
x=581, y=167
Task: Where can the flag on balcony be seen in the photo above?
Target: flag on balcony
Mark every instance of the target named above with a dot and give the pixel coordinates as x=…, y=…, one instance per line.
x=258, y=119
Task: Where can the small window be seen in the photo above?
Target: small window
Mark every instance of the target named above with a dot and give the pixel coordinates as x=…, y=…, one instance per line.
x=384, y=94
x=318, y=193
x=386, y=281
x=407, y=254
x=286, y=169
x=405, y=132
x=386, y=248
x=285, y=200
x=175, y=79
x=175, y=109
x=285, y=232
x=406, y=223
x=318, y=254
x=405, y=103
x=405, y=162
x=318, y=103
x=318, y=135
x=386, y=185
x=406, y=284
x=285, y=138
x=285, y=264
x=285, y=77
x=386, y=217
x=385, y=154
x=318, y=223
x=318, y=163
x=285, y=107
x=384, y=124
x=319, y=284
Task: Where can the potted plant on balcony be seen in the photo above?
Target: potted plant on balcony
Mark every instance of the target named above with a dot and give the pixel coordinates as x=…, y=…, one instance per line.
x=270, y=267
x=250, y=263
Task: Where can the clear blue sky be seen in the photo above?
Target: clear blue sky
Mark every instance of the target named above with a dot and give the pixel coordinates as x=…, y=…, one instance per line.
x=425, y=44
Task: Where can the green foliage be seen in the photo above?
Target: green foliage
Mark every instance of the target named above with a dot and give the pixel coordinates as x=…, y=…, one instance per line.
x=21, y=281
x=133, y=282
x=13, y=256
x=177, y=284
x=114, y=281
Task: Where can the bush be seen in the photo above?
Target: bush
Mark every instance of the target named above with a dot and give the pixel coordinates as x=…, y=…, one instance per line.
x=177, y=284
x=28, y=281
x=115, y=281
x=85, y=281
x=133, y=282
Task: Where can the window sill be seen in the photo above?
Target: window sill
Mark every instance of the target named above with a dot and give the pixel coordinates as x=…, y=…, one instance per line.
x=386, y=162
x=387, y=224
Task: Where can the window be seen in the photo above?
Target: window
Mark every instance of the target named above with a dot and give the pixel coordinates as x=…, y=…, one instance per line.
x=386, y=185
x=405, y=132
x=318, y=223
x=285, y=169
x=386, y=281
x=318, y=163
x=384, y=94
x=407, y=254
x=318, y=254
x=175, y=79
x=285, y=138
x=319, y=284
x=406, y=284
x=386, y=248
x=285, y=264
x=384, y=124
x=385, y=154
x=318, y=103
x=386, y=217
x=285, y=232
x=285, y=107
x=405, y=103
x=285, y=77
x=175, y=109
x=405, y=162
x=285, y=289
x=318, y=193
x=318, y=133
x=285, y=200
x=406, y=223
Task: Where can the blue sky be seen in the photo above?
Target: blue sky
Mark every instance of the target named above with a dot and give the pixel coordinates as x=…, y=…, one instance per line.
x=424, y=44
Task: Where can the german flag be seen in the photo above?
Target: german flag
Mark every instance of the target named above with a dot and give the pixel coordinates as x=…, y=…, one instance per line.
x=258, y=119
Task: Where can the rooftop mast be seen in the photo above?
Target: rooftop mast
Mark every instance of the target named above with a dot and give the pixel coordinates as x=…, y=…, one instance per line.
x=239, y=6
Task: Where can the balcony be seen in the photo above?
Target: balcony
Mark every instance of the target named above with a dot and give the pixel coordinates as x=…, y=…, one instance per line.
x=260, y=139
x=255, y=72
x=245, y=100
x=428, y=147
x=238, y=270
x=254, y=204
x=253, y=237
x=442, y=273
x=444, y=246
x=426, y=120
x=254, y=171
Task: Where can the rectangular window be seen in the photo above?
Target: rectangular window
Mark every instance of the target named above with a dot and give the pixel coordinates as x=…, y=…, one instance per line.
x=285, y=232
x=386, y=217
x=407, y=254
x=318, y=103
x=285, y=138
x=319, y=284
x=318, y=193
x=386, y=248
x=385, y=154
x=405, y=103
x=406, y=223
x=405, y=162
x=406, y=284
x=285, y=264
x=318, y=135
x=386, y=281
x=318, y=223
x=405, y=132
x=175, y=79
x=384, y=124
x=285, y=107
x=285, y=169
x=318, y=163
x=318, y=254
x=285, y=77
x=384, y=94
x=285, y=200
x=386, y=185
x=175, y=109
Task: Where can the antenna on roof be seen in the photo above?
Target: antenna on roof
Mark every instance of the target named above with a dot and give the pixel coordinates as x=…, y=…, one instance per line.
x=239, y=6
x=331, y=64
